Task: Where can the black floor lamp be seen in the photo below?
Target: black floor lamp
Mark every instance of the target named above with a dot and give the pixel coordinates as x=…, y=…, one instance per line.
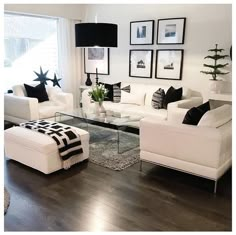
x=95, y=35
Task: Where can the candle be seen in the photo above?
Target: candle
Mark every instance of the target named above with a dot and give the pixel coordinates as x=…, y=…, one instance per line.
x=96, y=75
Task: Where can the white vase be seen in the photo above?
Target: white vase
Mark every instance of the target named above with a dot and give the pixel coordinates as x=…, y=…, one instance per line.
x=215, y=86
x=99, y=108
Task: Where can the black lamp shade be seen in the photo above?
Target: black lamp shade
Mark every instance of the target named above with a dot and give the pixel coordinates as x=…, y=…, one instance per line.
x=95, y=34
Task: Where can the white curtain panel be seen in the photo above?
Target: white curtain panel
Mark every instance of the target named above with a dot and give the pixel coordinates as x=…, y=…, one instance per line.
x=69, y=58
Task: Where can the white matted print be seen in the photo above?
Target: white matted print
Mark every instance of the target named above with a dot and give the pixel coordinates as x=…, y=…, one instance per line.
x=169, y=64
x=171, y=31
x=141, y=32
x=96, y=57
x=140, y=63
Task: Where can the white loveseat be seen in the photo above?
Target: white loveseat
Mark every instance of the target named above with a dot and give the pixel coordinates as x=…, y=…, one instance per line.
x=20, y=108
x=204, y=150
x=139, y=102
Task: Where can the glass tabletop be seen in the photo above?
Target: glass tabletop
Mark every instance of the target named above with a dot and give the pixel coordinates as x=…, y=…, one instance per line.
x=113, y=118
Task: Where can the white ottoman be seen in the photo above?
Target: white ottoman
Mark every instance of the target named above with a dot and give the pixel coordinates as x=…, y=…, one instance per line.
x=37, y=150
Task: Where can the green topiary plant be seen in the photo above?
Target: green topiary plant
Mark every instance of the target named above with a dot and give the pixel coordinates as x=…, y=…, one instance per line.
x=215, y=67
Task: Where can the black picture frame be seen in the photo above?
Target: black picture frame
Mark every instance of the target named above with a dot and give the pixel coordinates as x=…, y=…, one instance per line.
x=169, y=64
x=171, y=31
x=101, y=61
x=147, y=30
x=140, y=63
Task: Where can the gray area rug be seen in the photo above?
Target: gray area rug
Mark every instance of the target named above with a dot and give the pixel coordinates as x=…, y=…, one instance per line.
x=6, y=200
x=103, y=148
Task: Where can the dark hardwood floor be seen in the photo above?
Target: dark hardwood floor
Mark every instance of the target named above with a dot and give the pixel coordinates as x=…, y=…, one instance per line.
x=88, y=197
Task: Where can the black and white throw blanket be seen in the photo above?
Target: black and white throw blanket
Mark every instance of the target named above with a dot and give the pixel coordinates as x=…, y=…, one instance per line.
x=67, y=139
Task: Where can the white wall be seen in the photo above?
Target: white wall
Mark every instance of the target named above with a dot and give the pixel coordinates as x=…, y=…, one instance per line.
x=70, y=11
x=206, y=25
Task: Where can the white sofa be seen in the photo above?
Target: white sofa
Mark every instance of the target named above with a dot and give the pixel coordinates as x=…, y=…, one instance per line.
x=138, y=102
x=204, y=150
x=20, y=108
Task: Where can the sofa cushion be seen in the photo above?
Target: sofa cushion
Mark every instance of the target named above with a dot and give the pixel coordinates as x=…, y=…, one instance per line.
x=172, y=95
x=194, y=115
x=132, y=98
x=147, y=111
x=117, y=107
x=48, y=109
x=217, y=117
x=158, y=98
x=38, y=92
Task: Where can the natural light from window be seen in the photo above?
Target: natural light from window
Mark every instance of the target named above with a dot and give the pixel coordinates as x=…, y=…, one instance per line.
x=30, y=42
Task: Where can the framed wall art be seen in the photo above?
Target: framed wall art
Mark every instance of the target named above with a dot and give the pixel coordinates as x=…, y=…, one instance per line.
x=171, y=31
x=141, y=32
x=140, y=63
x=169, y=64
x=95, y=57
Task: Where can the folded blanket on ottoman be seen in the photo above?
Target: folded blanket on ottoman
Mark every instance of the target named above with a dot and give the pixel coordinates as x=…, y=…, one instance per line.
x=68, y=140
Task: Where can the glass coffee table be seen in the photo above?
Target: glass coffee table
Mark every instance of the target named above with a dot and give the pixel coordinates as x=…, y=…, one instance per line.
x=112, y=120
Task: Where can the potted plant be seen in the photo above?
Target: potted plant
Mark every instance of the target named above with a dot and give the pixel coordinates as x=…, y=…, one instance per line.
x=215, y=68
x=98, y=94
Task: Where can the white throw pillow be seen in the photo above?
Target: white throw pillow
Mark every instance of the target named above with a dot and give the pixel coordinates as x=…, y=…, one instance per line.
x=51, y=91
x=132, y=98
x=217, y=117
x=19, y=90
x=187, y=92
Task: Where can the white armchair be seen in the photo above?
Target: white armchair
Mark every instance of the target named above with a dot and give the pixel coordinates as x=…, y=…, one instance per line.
x=204, y=150
x=20, y=108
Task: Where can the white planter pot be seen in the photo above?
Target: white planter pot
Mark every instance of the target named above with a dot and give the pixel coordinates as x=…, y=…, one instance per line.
x=215, y=86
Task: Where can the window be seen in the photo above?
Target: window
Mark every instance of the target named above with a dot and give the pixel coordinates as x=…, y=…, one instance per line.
x=30, y=42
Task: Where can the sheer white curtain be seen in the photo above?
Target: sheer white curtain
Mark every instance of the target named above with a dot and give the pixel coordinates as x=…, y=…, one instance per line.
x=69, y=58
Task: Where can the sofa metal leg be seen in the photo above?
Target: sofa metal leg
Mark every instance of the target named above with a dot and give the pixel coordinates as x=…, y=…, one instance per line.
x=140, y=166
x=215, y=187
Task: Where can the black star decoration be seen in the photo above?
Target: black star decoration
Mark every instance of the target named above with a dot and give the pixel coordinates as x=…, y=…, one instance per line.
x=42, y=77
x=55, y=81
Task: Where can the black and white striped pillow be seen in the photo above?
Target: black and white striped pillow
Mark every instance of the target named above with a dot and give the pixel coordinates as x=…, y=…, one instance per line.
x=117, y=92
x=158, y=98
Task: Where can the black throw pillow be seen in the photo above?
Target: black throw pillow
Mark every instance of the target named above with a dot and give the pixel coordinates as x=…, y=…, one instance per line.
x=194, y=115
x=158, y=98
x=109, y=88
x=172, y=95
x=204, y=107
x=38, y=92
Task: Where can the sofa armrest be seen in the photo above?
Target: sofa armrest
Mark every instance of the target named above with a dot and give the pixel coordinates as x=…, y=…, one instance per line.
x=21, y=107
x=177, y=110
x=181, y=141
x=65, y=99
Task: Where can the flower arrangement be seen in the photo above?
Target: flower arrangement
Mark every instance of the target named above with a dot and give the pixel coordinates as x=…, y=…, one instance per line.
x=98, y=93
